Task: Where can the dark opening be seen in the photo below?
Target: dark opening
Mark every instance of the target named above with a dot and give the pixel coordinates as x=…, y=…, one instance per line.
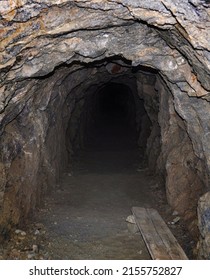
x=105, y=129
x=114, y=118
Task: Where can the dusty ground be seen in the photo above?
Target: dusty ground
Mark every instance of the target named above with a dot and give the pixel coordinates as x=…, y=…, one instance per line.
x=85, y=215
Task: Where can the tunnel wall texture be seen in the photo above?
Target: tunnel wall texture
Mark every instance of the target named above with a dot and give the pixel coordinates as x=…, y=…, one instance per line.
x=51, y=55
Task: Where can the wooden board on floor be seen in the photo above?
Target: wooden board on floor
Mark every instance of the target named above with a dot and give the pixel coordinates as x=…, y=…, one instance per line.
x=159, y=240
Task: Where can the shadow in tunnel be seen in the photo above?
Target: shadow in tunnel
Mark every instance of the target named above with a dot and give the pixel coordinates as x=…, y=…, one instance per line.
x=110, y=135
x=114, y=125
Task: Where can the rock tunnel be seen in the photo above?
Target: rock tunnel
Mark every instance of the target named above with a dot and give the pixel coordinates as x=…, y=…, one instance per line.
x=73, y=68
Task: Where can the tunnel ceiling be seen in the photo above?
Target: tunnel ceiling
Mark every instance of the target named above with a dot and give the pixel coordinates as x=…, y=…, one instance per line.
x=53, y=53
x=37, y=36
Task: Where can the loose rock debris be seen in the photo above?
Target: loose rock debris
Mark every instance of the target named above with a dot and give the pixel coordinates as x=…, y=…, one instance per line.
x=30, y=243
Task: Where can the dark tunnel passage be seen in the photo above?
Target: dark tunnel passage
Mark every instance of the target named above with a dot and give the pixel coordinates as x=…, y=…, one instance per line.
x=114, y=101
x=115, y=118
x=112, y=123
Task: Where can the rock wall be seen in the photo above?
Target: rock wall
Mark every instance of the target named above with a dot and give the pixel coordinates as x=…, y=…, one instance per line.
x=147, y=91
x=183, y=170
x=204, y=227
x=53, y=53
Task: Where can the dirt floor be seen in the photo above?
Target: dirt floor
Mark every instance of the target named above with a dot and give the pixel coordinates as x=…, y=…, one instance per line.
x=85, y=215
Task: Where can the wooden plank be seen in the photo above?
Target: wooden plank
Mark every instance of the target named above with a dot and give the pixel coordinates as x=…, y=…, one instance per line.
x=151, y=237
x=159, y=240
x=172, y=246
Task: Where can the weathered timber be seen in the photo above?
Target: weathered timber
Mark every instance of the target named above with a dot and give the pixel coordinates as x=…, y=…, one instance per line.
x=159, y=240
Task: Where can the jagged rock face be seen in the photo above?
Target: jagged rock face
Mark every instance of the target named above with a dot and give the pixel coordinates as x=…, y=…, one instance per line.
x=52, y=56
x=204, y=226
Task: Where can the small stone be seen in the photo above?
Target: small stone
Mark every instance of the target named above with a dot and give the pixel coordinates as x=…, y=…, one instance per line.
x=131, y=219
x=21, y=232
x=140, y=252
x=175, y=220
x=37, y=232
x=35, y=249
x=175, y=213
x=17, y=231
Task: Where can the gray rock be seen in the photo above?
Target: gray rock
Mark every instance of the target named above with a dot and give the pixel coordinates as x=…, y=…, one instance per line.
x=35, y=248
x=175, y=213
x=175, y=220
x=204, y=226
x=20, y=232
x=36, y=232
x=131, y=219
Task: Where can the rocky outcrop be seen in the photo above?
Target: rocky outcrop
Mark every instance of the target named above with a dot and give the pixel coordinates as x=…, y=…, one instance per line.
x=54, y=53
x=204, y=226
x=178, y=162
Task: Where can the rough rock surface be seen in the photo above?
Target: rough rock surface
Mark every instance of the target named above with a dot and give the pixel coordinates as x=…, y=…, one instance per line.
x=204, y=226
x=53, y=53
